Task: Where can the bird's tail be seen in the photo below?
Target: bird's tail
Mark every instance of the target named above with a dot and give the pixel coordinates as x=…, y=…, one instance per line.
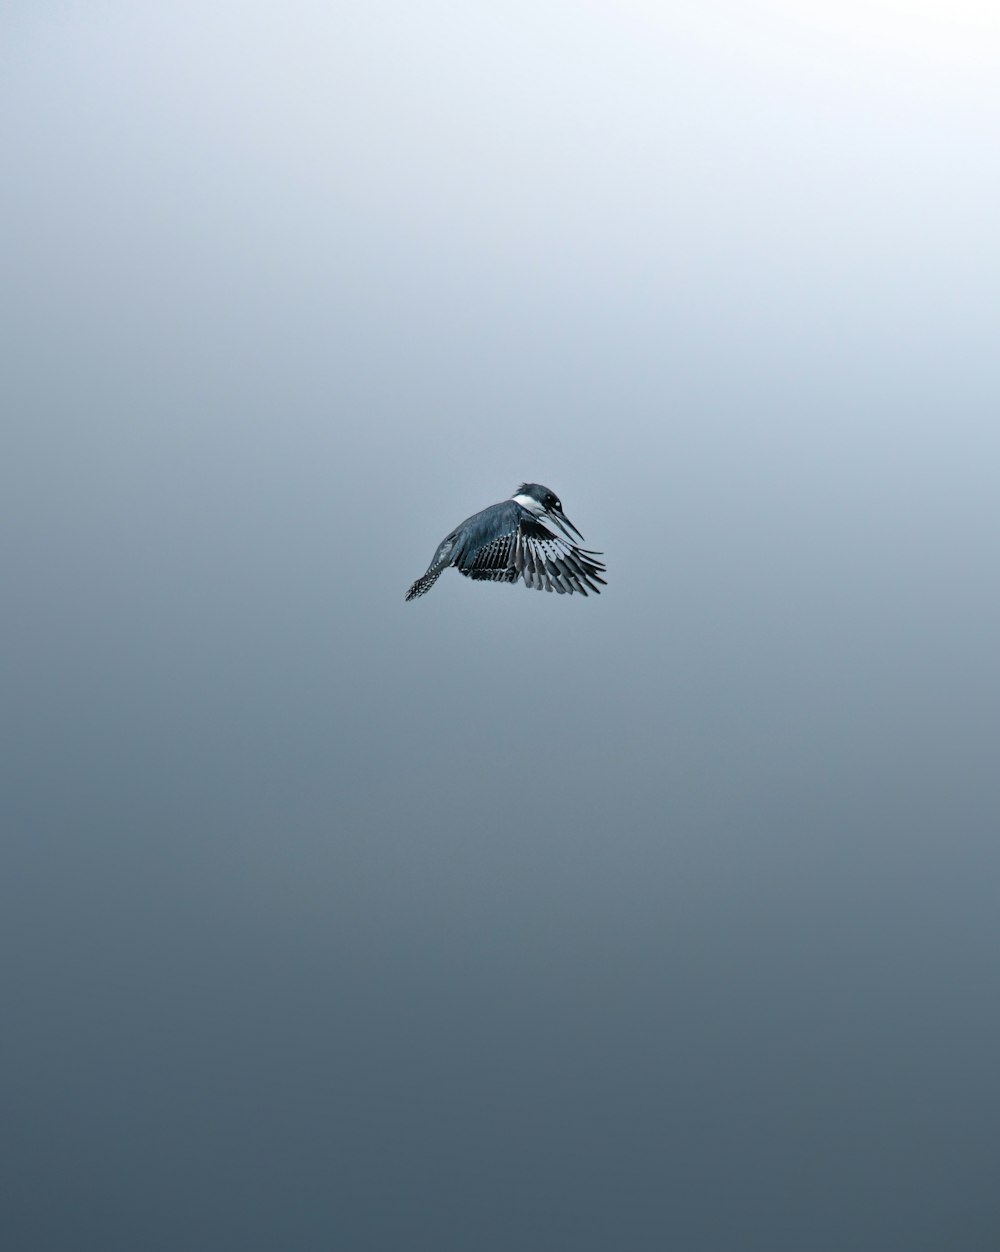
x=425, y=582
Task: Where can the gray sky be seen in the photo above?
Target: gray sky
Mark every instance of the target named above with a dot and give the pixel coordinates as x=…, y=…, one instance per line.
x=500, y=920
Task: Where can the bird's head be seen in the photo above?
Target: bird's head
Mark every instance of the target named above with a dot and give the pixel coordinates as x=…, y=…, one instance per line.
x=545, y=503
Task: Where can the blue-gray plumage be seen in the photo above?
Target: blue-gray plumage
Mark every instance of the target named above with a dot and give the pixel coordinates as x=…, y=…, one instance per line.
x=510, y=540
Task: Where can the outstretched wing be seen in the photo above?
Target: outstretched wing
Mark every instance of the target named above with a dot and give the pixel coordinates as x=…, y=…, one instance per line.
x=544, y=559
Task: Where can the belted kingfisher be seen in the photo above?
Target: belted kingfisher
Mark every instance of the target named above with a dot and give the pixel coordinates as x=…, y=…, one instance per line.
x=509, y=541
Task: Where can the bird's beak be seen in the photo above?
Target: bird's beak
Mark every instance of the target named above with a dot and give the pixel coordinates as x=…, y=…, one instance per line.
x=565, y=525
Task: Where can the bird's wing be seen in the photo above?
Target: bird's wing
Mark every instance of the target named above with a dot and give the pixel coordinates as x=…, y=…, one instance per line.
x=545, y=560
x=494, y=561
x=523, y=547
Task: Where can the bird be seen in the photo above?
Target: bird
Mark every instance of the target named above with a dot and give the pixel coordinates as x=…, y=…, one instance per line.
x=517, y=538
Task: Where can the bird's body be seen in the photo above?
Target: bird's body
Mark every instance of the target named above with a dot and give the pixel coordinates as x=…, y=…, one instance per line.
x=511, y=540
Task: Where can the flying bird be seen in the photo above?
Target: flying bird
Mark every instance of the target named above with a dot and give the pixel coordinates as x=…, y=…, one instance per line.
x=511, y=540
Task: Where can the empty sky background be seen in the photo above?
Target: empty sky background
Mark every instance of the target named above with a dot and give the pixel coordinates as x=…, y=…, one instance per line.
x=500, y=920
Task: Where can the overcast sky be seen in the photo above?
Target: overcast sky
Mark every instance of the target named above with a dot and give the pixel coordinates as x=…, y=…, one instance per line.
x=500, y=920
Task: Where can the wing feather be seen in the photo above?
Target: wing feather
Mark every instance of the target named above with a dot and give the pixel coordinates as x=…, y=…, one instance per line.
x=520, y=546
x=546, y=560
